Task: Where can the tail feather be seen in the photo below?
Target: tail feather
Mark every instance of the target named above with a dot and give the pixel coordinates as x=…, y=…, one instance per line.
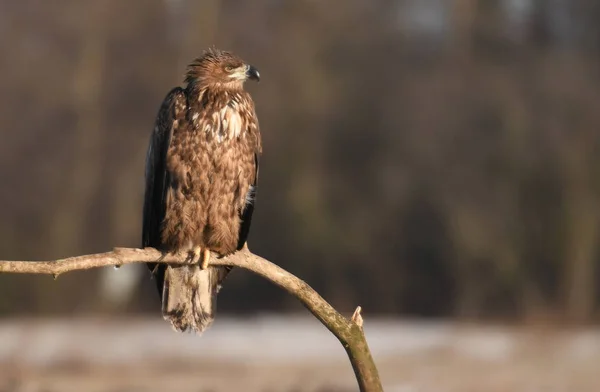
x=189, y=297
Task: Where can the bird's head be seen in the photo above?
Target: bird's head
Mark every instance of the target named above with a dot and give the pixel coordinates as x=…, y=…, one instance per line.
x=217, y=68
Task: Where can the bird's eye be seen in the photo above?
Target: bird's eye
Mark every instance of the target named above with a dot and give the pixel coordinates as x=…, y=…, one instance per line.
x=229, y=68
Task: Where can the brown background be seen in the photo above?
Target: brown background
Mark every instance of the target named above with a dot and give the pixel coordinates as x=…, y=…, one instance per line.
x=422, y=158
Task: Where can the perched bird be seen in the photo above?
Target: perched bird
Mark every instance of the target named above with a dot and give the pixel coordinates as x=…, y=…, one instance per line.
x=201, y=177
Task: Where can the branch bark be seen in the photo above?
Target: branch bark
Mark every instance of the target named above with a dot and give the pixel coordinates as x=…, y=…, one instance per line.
x=349, y=332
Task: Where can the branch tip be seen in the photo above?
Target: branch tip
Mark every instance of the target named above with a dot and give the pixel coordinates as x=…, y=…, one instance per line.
x=357, y=318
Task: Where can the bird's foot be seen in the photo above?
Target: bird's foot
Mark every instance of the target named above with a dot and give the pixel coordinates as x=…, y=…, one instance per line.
x=201, y=256
x=194, y=254
x=205, y=259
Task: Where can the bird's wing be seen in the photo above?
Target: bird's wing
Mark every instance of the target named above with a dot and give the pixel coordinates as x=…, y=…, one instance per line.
x=157, y=176
x=246, y=213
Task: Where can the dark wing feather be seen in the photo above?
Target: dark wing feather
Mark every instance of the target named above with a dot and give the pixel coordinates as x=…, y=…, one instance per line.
x=157, y=177
x=246, y=214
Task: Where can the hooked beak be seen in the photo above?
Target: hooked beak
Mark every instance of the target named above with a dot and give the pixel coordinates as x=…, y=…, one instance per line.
x=252, y=73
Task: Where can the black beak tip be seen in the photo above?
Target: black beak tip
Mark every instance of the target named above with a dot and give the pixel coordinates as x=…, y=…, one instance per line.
x=252, y=73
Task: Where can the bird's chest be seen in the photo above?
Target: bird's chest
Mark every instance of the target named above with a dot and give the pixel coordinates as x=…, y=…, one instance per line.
x=208, y=151
x=221, y=124
x=209, y=131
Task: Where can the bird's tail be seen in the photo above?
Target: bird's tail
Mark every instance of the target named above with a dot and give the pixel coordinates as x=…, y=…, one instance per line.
x=189, y=297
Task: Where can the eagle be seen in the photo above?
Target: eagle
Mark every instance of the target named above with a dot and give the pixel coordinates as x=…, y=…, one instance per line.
x=201, y=176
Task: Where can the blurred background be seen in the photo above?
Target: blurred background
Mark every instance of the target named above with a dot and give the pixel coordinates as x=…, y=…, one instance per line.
x=435, y=161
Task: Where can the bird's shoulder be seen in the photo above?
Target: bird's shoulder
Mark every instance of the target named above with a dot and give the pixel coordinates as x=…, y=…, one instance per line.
x=175, y=102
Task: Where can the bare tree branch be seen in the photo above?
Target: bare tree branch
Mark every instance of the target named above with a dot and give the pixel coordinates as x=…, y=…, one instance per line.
x=349, y=332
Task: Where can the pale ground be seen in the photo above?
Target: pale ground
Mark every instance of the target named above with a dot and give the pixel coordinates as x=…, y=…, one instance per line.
x=290, y=354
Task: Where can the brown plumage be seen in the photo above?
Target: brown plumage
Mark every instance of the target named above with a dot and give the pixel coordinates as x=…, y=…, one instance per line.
x=201, y=176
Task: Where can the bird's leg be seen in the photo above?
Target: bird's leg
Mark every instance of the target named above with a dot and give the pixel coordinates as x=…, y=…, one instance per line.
x=205, y=259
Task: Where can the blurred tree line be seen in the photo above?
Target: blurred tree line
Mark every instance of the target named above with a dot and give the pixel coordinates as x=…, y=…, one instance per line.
x=422, y=157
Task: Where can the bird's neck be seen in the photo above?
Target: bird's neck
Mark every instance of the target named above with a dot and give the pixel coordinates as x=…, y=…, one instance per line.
x=200, y=87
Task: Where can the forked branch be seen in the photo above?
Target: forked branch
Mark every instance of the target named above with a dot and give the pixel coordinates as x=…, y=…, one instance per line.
x=349, y=332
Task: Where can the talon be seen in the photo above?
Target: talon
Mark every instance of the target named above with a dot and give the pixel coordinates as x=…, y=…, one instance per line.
x=205, y=259
x=154, y=269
